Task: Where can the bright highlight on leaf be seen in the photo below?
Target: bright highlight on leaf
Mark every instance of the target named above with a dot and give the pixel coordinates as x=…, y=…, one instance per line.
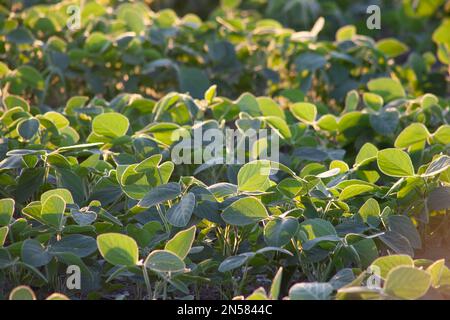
x=118, y=249
x=395, y=163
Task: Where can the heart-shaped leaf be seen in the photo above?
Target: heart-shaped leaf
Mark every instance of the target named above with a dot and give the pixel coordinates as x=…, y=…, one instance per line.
x=245, y=211
x=180, y=214
x=118, y=249
x=164, y=261
x=6, y=211
x=52, y=211
x=279, y=232
x=160, y=194
x=311, y=291
x=395, y=163
x=407, y=283
x=181, y=243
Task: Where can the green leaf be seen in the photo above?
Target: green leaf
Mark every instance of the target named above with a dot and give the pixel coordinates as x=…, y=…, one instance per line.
x=254, y=176
x=346, y=33
x=351, y=101
x=3, y=233
x=248, y=103
x=134, y=20
x=5, y=259
x=164, y=261
x=210, y=94
x=63, y=193
x=385, y=122
x=279, y=232
x=78, y=244
x=367, y=251
x=328, y=122
x=111, y=125
x=324, y=240
x=28, y=128
x=6, y=211
x=276, y=284
x=52, y=211
x=13, y=101
x=181, y=243
x=395, y=163
x=413, y=134
x=311, y=291
x=391, y=47
x=290, y=187
x=354, y=190
x=69, y=259
x=57, y=296
x=370, y=212
x=387, y=263
x=234, y=262
x=439, y=199
x=180, y=214
x=373, y=101
x=407, y=283
x=397, y=242
x=436, y=270
x=31, y=77
x=437, y=166
x=69, y=179
x=57, y=119
x=270, y=108
x=387, y=88
x=245, y=211
x=118, y=249
x=230, y=4
x=304, y=111
x=442, y=134
x=160, y=194
x=76, y=102
x=342, y=278
x=279, y=125
x=34, y=254
x=193, y=80
x=440, y=35
x=32, y=269
x=22, y=293
x=341, y=166
x=21, y=35
x=310, y=61
x=314, y=228
x=134, y=184
x=368, y=151
x=96, y=43
x=404, y=226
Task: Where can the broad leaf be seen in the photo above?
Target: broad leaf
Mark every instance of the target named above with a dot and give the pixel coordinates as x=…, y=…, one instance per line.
x=245, y=211
x=311, y=291
x=6, y=211
x=407, y=283
x=164, y=261
x=181, y=243
x=160, y=194
x=180, y=214
x=118, y=249
x=395, y=163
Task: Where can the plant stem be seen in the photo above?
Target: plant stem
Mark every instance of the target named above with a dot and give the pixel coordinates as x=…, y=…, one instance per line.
x=163, y=218
x=147, y=281
x=244, y=277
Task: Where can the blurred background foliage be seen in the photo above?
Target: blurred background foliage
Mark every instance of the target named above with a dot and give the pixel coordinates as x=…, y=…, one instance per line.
x=262, y=46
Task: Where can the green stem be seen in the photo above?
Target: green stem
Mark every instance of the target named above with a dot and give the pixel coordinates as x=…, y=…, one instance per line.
x=244, y=277
x=165, y=290
x=147, y=281
x=163, y=218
